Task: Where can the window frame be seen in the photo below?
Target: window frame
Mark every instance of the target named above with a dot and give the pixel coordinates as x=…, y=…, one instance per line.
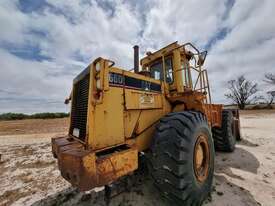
x=162, y=73
x=159, y=60
x=172, y=66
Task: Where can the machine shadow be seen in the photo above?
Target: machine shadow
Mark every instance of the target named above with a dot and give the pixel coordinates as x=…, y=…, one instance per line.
x=59, y=198
x=238, y=195
x=240, y=159
x=143, y=192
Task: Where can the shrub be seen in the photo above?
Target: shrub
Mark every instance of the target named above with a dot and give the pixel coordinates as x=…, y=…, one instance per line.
x=18, y=116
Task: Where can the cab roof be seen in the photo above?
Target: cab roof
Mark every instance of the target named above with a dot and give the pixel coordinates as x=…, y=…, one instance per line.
x=158, y=54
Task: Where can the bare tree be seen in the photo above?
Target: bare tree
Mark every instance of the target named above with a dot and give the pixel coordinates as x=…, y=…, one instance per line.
x=270, y=98
x=270, y=78
x=242, y=91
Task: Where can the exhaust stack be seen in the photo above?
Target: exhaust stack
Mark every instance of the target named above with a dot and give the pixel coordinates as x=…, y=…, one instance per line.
x=136, y=58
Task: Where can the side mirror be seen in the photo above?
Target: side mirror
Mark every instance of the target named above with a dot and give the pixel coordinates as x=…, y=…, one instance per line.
x=202, y=57
x=67, y=100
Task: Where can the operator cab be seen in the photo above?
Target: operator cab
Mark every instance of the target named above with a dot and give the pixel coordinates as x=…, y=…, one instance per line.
x=179, y=67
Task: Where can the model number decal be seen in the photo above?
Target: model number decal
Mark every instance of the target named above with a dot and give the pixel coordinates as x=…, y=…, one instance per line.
x=120, y=80
x=116, y=79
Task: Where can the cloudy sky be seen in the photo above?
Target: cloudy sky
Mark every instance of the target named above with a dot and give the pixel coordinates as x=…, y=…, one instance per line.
x=44, y=44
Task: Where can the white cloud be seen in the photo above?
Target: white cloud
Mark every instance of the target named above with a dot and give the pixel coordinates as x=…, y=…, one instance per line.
x=12, y=21
x=195, y=21
x=72, y=33
x=25, y=79
x=248, y=48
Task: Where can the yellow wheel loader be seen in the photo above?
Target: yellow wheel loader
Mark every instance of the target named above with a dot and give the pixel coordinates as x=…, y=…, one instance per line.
x=162, y=110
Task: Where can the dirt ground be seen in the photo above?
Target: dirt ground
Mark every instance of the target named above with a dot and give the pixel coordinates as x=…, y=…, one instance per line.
x=33, y=126
x=29, y=174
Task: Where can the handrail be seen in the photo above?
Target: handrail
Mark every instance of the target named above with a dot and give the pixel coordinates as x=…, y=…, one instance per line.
x=195, y=85
x=201, y=88
x=190, y=44
x=110, y=61
x=209, y=94
x=202, y=77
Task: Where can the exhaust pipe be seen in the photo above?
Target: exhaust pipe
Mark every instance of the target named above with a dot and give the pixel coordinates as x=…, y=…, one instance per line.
x=136, y=58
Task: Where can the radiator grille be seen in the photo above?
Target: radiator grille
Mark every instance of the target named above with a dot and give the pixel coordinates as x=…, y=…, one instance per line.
x=80, y=107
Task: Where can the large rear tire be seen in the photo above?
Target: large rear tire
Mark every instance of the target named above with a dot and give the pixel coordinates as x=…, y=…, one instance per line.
x=181, y=158
x=225, y=137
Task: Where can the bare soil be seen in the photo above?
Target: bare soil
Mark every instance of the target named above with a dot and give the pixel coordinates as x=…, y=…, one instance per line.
x=29, y=174
x=33, y=126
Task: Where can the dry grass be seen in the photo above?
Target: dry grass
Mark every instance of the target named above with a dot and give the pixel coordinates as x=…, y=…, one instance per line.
x=33, y=126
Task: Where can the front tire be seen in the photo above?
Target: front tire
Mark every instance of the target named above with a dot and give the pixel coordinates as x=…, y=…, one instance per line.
x=181, y=157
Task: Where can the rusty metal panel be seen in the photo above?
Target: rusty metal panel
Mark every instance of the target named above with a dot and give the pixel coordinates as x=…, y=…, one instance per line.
x=214, y=114
x=237, y=123
x=116, y=165
x=71, y=165
x=64, y=143
x=86, y=169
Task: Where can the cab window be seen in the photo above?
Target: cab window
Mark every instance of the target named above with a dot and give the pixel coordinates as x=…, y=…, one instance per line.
x=169, y=70
x=156, y=70
x=185, y=75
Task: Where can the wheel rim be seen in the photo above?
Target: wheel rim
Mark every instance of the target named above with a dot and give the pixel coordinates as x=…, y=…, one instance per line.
x=201, y=158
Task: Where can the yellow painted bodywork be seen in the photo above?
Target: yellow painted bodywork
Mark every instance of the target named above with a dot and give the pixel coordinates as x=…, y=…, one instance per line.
x=108, y=127
x=121, y=118
x=143, y=140
x=122, y=113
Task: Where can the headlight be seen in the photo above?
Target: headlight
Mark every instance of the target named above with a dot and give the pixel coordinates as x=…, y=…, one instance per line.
x=97, y=66
x=98, y=84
